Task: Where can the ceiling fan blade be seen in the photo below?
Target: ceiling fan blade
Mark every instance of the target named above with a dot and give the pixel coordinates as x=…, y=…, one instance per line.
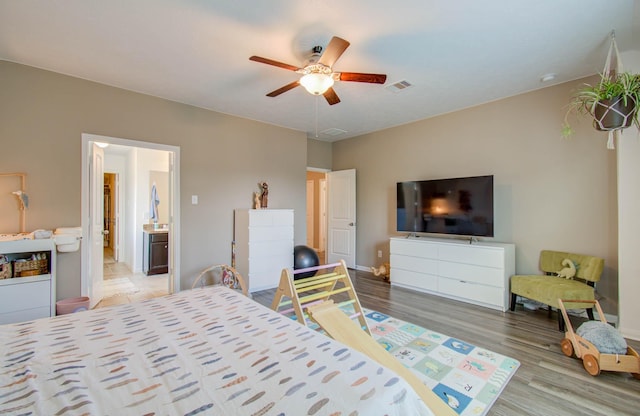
x=333, y=51
x=274, y=63
x=283, y=89
x=331, y=96
x=360, y=77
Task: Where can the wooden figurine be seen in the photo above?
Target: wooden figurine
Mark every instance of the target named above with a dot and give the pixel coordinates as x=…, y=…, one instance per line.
x=384, y=270
x=264, y=196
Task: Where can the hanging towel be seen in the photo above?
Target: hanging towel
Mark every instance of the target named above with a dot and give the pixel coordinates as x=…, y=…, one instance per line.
x=155, y=201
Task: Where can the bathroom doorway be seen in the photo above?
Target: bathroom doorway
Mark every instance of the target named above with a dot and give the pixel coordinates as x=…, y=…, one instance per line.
x=317, y=212
x=124, y=196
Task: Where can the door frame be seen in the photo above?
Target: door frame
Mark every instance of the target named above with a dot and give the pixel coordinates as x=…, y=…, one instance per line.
x=323, y=227
x=174, y=220
x=323, y=247
x=95, y=224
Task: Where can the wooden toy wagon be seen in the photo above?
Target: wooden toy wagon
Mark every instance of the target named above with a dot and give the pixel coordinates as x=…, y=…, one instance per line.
x=595, y=359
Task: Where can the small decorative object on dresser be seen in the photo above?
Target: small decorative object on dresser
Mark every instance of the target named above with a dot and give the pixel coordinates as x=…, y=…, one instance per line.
x=264, y=196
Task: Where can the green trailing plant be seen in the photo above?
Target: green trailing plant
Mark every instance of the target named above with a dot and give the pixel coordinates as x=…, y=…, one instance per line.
x=585, y=100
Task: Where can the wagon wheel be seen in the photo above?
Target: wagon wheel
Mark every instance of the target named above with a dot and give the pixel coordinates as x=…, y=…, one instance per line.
x=591, y=364
x=567, y=347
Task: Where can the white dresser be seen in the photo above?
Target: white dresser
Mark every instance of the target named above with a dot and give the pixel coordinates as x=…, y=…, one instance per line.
x=264, y=245
x=477, y=273
x=29, y=297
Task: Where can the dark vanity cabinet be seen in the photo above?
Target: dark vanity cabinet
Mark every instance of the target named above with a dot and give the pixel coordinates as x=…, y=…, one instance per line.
x=156, y=253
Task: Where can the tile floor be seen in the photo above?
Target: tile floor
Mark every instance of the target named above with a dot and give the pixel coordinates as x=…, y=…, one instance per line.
x=148, y=286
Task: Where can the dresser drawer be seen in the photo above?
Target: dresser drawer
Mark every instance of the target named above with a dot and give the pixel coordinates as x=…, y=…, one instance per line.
x=25, y=295
x=471, y=273
x=268, y=249
x=271, y=218
x=270, y=233
x=414, y=248
x=422, y=281
x=418, y=264
x=25, y=315
x=472, y=254
x=474, y=292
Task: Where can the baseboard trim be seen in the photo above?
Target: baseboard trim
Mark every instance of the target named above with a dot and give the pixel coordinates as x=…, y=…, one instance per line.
x=630, y=333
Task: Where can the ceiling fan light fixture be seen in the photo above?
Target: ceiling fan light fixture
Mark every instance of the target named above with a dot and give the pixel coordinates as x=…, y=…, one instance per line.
x=316, y=84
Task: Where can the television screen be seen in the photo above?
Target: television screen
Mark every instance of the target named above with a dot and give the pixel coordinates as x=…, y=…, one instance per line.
x=459, y=206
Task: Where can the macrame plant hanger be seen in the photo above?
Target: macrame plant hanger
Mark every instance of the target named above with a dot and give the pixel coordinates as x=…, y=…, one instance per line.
x=612, y=67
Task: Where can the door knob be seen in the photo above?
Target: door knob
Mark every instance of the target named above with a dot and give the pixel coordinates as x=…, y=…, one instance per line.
x=351, y=224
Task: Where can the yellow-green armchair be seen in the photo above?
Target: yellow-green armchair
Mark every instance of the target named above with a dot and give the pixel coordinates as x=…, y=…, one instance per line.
x=548, y=288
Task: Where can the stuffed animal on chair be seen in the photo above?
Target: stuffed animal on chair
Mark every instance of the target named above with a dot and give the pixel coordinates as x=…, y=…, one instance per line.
x=384, y=270
x=569, y=271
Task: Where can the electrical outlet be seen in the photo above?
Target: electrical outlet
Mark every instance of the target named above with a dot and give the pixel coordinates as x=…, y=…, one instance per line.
x=379, y=254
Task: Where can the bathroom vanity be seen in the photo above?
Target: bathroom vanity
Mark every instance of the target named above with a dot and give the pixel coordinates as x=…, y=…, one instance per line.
x=155, y=259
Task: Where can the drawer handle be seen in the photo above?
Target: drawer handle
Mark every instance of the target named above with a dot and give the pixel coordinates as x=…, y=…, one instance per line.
x=166, y=246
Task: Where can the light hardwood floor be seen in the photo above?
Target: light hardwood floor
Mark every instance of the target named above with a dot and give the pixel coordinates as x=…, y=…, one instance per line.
x=547, y=382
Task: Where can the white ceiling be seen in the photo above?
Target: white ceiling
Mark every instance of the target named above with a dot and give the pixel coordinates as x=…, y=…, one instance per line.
x=456, y=54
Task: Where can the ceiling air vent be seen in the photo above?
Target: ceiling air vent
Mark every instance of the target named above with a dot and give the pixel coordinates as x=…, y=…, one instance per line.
x=333, y=132
x=398, y=86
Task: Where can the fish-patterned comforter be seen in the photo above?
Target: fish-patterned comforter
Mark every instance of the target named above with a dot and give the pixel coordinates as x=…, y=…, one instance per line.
x=205, y=351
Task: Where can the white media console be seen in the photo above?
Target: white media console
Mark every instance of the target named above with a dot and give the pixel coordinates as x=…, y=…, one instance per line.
x=476, y=273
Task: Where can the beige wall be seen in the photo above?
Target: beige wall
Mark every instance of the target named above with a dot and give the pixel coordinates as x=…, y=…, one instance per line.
x=42, y=117
x=319, y=154
x=550, y=192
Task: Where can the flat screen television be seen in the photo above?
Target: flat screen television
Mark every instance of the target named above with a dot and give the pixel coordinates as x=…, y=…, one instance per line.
x=457, y=206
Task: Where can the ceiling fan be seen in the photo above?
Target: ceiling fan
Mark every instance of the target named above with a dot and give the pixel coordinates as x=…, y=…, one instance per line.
x=318, y=75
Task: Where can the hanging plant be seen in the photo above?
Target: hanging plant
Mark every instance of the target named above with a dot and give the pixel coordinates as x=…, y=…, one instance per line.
x=613, y=103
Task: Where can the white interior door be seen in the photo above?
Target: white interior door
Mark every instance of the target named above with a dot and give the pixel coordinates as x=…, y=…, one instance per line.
x=342, y=217
x=96, y=223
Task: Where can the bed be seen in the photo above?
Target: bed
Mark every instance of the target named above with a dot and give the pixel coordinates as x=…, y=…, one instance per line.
x=202, y=351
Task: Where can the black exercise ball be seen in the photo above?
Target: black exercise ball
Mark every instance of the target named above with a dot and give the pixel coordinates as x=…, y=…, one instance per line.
x=304, y=257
